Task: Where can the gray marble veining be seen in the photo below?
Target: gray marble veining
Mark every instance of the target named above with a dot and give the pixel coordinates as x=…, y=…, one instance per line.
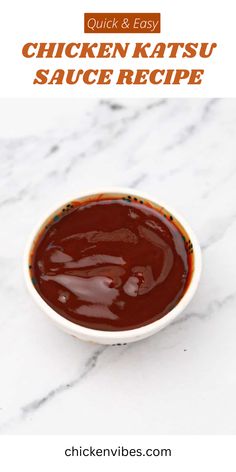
x=182, y=380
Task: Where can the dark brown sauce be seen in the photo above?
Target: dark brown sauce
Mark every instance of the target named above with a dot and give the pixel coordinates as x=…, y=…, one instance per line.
x=111, y=264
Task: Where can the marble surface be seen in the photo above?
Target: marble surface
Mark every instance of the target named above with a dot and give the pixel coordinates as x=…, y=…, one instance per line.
x=183, y=379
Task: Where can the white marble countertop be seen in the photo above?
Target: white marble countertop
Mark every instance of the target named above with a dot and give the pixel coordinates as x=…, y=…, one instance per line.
x=183, y=379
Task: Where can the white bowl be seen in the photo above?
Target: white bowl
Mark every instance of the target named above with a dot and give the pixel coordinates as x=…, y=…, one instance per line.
x=131, y=335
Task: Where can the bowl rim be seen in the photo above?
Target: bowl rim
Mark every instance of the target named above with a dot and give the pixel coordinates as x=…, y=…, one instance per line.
x=124, y=335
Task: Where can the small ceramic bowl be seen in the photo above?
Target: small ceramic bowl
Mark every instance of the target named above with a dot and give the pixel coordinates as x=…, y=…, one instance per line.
x=117, y=337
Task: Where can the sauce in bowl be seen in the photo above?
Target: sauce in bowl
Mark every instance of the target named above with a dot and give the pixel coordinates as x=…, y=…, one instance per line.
x=112, y=264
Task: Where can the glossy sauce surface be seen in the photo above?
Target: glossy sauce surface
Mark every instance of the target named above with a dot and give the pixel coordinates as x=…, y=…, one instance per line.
x=111, y=265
